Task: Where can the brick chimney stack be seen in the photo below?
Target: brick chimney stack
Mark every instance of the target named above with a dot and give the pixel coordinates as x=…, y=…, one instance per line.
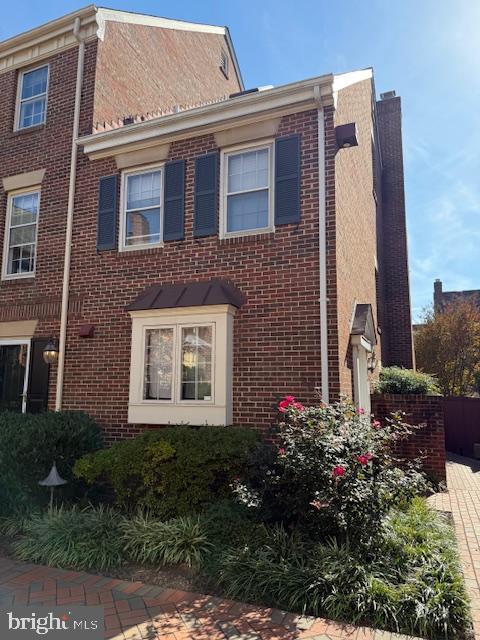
x=396, y=287
x=437, y=295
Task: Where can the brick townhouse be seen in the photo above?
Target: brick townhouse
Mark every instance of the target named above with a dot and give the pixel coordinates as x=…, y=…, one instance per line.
x=185, y=250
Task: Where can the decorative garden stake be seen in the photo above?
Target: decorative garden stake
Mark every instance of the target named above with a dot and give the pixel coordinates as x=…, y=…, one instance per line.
x=52, y=480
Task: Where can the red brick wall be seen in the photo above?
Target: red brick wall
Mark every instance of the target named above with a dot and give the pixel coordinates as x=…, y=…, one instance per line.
x=429, y=441
x=396, y=293
x=276, y=333
x=356, y=238
x=142, y=69
x=44, y=147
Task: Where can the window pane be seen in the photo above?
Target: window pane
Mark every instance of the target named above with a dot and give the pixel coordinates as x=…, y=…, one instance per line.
x=32, y=113
x=197, y=363
x=143, y=227
x=34, y=82
x=23, y=235
x=248, y=170
x=21, y=259
x=158, y=364
x=24, y=209
x=247, y=211
x=143, y=190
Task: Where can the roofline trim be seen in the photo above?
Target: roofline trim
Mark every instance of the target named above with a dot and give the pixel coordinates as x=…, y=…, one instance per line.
x=252, y=107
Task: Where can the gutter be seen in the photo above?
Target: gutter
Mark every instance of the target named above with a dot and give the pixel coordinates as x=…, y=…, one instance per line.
x=322, y=249
x=69, y=227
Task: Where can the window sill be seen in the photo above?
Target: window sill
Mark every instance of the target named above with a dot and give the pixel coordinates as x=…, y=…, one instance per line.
x=21, y=132
x=142, y=247
x=15, y=278
x=194, y=414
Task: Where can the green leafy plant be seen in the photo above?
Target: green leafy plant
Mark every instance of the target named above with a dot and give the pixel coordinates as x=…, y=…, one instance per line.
x=70, y=537
x=29, y=443
x=332, y=472
x=404, y=381
x=181, y=540
x=172, y=471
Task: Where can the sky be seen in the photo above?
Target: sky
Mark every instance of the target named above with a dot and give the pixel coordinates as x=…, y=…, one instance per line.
x=428, y=51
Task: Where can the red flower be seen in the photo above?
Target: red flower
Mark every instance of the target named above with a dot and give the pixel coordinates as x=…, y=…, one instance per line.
x=376, y=424
x=281, y=451
x=283, y=405
x=289, y=401
x=364, y=458
x=338, y=471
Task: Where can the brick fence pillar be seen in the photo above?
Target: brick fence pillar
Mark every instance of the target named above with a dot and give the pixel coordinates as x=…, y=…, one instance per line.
x=427, y=442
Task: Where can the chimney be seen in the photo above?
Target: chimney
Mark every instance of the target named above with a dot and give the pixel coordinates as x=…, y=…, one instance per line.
x=396, y=286
x=437, y=295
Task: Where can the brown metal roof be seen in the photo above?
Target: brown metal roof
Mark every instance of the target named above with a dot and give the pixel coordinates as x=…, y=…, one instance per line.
x=190, y=294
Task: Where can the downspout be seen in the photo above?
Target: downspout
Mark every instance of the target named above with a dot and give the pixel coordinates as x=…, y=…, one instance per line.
x=69, y=227
x=322, y=247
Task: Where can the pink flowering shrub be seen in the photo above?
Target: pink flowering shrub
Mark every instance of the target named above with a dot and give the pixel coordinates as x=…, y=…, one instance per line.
x=331, y=471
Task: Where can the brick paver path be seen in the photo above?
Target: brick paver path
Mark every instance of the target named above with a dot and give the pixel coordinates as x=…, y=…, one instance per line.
x=143, y=612
x=463, y=501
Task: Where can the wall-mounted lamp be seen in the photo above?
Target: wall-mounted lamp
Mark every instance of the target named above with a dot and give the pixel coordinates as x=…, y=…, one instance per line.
x=50, y=352
x=372, y=362
x=346, y=135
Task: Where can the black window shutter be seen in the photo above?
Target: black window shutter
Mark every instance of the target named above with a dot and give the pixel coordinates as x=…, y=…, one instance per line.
x=38, y=374
x=287, y=180
x=206, y=187
x=174, y=204
x=107, y=213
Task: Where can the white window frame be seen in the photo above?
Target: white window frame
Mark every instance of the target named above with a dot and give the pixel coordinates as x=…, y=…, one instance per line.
x=177, y=364
x=217, y=410
x=224, y=155
x=6, y=242
x=19, y=342
x=19, y=101
x=122, y=246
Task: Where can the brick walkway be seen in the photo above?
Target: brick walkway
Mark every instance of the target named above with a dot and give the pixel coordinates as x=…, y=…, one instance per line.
x=463, y=501
x=137, y=611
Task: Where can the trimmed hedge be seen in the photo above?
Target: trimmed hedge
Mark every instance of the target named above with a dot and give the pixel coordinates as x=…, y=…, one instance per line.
x=30, y=443
x=172, y=471
x=404, y=381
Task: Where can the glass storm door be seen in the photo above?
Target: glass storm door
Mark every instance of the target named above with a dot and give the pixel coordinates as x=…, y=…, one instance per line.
x=13, y=376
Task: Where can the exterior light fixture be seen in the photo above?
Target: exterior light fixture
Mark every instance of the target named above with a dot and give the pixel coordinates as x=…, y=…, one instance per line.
x=52, y=480
x=372, y=362
x=50, y=352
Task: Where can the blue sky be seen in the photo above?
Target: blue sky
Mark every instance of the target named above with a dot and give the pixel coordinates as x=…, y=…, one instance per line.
x=428, y=51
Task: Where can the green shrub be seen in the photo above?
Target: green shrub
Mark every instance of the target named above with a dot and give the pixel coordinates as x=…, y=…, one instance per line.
x=178, y=541
x=172, y=471
x=78, y=538
x=29, y=443
x=404, y=381
x=392, y=587
x=332, y=473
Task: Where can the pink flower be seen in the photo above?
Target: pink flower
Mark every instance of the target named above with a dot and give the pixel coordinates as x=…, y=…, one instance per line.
x=376, y=424
x=283, y=405
x=364, y=458
x=289, y=399
x=298, y=406
x=281, y=451
x=338, y=471
x=360, y=411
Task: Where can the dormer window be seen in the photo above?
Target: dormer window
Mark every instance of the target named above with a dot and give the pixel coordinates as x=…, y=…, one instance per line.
x=32, y=97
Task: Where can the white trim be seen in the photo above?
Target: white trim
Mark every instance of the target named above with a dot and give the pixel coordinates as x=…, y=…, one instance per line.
x=19, y=342
x=123, y=199
x=224, y=155
x=6, y=242
x=218, y=410
x=116, y=15
x=245, y=109
x=18, y=103
x=322, y=248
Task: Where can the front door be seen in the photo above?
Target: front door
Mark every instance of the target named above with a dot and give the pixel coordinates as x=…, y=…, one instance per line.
x=14, y=359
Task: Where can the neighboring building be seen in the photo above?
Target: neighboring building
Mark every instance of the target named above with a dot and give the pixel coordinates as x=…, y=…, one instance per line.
x=221, y=255
x=442, y=299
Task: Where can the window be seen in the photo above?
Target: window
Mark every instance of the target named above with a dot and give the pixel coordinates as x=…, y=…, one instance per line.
x=142, y=209
x=247, y=199
x=32, y=103
x=181, y=367
x=21, y=235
